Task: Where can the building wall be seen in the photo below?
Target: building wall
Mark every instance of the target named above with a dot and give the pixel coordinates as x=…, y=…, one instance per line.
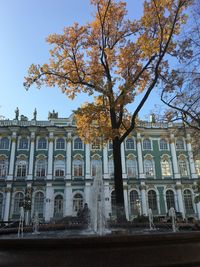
x=55, y=194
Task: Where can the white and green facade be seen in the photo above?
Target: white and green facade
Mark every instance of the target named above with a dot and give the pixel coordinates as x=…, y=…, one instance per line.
x=48, y=164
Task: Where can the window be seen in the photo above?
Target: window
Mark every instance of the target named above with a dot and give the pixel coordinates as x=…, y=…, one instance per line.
x=113, y=203
x=179, y=144
x=183, y=167
x=21, y=168
x=163, y=144
x=111, y=167
x=187, y=195
x=134, y=203
x=18, y=201
x=96, y=145
x=3, y=168
x=39, y=204
x=131, y=166
x=148, y=168
x=170, y=199
x=77, y=202
x=1, y=206
x=60, y=143
x=165, y=167
x=58, y=206
x=146, y=144
x=59, y=168
x=129, y=143
x=78, y=167
x=197, y=165
x=95, y=167
x=78, y=144
x=23, y=143
x=152, y=200
x=41, y=168
x=110, y=145
x=42, y=143
x=4, y=143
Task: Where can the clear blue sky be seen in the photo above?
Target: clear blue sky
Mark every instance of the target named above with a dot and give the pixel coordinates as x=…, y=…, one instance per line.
x=24, y=25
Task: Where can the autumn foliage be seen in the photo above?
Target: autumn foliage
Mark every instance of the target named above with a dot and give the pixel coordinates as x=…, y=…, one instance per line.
x=115, y=59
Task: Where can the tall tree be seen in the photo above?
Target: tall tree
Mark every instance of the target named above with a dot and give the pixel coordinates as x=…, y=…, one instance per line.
x=116, y=59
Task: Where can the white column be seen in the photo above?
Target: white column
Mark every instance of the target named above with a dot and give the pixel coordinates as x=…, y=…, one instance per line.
x=69, y=156
x=50, y=157
x=174, y=157
x=143, y=199
x=123, y=159
x=190, y=157
x=7, y=203
x=105, y=162
x=126, y=204
x=198, y=210
x=107, y=200
x=12, y=157
x=180, y=198
x=31, y=157
x=140, y=159
x=87, y=161
x=88, y=194
x=68, y=200
x=49, y=208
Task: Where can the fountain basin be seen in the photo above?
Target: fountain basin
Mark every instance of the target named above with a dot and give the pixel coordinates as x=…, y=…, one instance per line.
x=171, y=249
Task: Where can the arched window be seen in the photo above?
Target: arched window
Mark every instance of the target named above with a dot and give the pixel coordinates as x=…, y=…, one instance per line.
x=77, y=202
x=149, y=167
x=59, y=168
x=21, y=168
x=42, y=143
x=96, y=167
x=58, y=206
x=60, y=143
x=96, y=144
x=39, y=204
x=165, y=167
x=4, y=143
x=3, y=167
x=23, y=143
x=78, y=144
x=197, y=165
x=170, y=199
x=131, y=166
x=163, y=144
x=1, y=206
x=113, y=203
x=111, y=167
x=78, y=167
x=187, y=195
x=179, y=144
x=18, y=201
x=152, y=200
x=41, y=168
x=129, y=143
x=183, y=167
x=134, y=203
x=146, y=144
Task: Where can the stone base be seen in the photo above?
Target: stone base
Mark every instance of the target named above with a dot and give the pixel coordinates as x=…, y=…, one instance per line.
x=178, y=249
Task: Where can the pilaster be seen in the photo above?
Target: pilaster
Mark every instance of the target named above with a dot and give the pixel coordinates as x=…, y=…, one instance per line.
x=140, y=159
x=174, y=157
x=69, y=156
x=31, y=157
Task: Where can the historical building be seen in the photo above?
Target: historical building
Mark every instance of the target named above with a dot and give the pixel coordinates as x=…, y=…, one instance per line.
x=45, y=165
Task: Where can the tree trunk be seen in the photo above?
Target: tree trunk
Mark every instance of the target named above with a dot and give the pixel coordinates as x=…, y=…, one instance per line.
x=118, y=180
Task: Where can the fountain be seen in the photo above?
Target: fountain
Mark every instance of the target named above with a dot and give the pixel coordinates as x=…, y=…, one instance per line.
x=172, y=214
x=21, y=223
x=151, y=224
x=97, y=219
x=36, y=223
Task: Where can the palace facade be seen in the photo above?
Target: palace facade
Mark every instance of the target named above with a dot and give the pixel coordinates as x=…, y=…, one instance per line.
x=45, y=165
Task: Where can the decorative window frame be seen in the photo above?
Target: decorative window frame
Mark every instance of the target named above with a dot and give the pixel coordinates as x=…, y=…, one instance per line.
x=81, y=158
x=41, y=157
x=5, y=158
x=184, y=158
x=192, y=196
x=165, y=198
x=77, y=149
x=157, y=198
x=9, y=142
x=96, y=157
x=21, y=157
x=145, y=149
x=134, y=143
x=167, y=141
x=59, y=157
x=149, y=157
x=168, y=158
x=184, y=145
x=134, y=158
